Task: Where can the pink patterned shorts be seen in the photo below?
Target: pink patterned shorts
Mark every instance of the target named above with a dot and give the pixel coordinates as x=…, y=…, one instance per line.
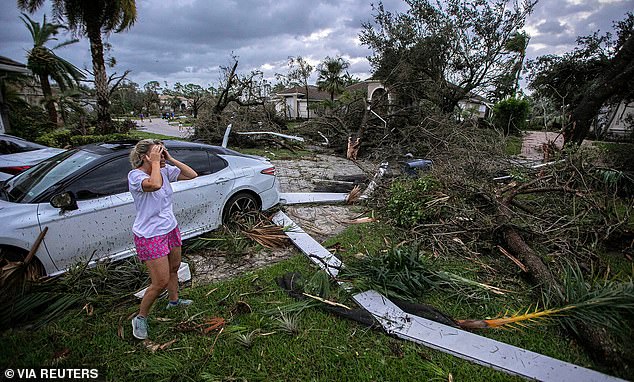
x=158, y=246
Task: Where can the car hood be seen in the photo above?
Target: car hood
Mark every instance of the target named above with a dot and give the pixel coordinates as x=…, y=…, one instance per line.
x=28, y=158
x=9, y=210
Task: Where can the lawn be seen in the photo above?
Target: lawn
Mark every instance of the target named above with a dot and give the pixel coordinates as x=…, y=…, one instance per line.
x=255, y=345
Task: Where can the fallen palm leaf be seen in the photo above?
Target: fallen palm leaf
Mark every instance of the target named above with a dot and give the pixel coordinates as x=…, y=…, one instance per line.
x=14, y=273
x=154, y=347
x=354, y=195
x=269, y=236
x=213, y=324
x=517, y=318
x=89, y=309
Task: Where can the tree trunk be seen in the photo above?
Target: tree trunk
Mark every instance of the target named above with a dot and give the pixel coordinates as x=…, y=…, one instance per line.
x=307, y=102
x=598, y=342
x=48, y=99
x=616, y=78
x=104, y=122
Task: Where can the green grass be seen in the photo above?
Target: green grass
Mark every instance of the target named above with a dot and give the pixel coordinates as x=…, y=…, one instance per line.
x=326, y=348
x=147, y=135
x=513, y=145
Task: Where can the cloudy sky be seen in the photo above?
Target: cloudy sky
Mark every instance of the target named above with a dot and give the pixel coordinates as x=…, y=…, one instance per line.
x=188, y=40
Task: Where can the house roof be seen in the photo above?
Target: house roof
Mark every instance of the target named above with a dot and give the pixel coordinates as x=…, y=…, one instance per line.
x=8, y=65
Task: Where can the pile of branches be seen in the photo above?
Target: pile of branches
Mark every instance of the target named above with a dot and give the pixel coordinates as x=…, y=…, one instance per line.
x=38, y=302
x=538, y=221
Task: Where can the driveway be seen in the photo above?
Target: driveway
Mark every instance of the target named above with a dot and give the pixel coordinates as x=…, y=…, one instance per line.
x=320, y=221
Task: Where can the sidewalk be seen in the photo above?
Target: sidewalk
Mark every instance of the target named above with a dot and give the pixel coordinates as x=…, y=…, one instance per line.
x=163, y=126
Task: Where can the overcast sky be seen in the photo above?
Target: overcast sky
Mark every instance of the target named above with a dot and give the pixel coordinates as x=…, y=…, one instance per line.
x=187, y=40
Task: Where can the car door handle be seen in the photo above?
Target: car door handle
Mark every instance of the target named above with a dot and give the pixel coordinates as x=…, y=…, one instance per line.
x=221, y=180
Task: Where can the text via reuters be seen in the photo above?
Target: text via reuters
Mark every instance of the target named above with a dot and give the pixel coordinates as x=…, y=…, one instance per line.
x=50, y=374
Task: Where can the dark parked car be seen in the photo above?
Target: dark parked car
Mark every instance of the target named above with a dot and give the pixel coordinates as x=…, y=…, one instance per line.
x=17, y=155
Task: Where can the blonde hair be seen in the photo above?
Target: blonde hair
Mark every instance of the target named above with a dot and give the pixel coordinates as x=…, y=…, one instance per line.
x=140, y=150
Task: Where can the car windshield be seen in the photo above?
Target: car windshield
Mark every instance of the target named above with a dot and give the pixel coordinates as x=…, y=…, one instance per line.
x=28, y=185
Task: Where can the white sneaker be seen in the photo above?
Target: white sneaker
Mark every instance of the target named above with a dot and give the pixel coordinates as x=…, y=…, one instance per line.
x=139, y=327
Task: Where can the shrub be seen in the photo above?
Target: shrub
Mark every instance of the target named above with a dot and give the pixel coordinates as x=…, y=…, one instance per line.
x=28, y=121
x=56, y=138
x=510, y=115
x=408, y=203
x=79, y=140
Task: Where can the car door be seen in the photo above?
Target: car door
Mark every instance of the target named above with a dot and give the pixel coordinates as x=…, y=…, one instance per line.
x=198, y=202
x=101, y=226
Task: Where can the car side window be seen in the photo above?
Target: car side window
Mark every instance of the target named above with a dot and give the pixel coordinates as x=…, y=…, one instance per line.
x=217, y=163
x=8, y=147
x=198, y=160
x=108, y=179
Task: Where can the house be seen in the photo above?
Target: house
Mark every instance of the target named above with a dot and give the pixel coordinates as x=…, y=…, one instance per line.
x=165, y=103
x=474, y=106
x=8, y=66
x=292, y=102
x=619, y=121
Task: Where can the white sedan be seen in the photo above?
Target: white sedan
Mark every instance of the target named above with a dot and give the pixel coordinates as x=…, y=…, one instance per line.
x=82, y=196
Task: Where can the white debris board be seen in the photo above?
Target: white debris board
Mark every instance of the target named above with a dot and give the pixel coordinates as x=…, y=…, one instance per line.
x=312, y=197
x=472, y=347
x=315, y=251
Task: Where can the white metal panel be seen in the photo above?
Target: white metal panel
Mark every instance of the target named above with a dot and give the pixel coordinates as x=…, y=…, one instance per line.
x=472, y=347
x=315, y=251
x=312, y=197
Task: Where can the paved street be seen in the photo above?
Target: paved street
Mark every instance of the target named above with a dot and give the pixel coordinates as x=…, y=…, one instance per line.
x=162, y=126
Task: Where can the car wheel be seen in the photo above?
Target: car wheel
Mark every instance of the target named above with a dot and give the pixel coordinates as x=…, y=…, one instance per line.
x=31, y=272
x=238, y=204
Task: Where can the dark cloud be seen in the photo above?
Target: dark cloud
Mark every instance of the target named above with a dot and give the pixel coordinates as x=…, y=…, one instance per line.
x=553, y=27
x=188, y=40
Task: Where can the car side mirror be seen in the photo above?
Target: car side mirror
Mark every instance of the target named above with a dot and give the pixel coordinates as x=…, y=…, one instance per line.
x=65, y=201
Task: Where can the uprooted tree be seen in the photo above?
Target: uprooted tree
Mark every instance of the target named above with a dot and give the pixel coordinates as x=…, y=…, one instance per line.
x=437, y=53
x=544, y=219
x=597, y=73
x=239, y=100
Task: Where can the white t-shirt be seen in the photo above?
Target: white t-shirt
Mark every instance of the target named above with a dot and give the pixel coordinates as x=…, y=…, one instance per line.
x=154, y=213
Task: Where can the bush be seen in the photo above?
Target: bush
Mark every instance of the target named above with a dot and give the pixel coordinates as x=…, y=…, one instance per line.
x=64, y=138
x=56, y=138
x=79, y=140
x=28, y=121
x=510, y=115
x=409, y=198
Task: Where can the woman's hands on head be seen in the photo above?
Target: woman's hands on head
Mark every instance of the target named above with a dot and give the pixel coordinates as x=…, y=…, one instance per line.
x=167, y=154
x=156, y=152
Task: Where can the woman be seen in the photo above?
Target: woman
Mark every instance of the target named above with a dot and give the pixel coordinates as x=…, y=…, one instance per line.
x=156, y=235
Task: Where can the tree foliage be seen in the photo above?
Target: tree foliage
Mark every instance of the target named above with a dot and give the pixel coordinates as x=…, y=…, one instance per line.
x=299, y=71
x=198, y=95
x=333, y=76
x=91, y=19
x=44, y=63
x=510, y=115
x=598, y=72
x=438, y=52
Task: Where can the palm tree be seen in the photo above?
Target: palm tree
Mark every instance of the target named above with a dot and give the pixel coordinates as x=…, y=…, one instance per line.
x=91, y=18
x=332, y=77
x=44, y=63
